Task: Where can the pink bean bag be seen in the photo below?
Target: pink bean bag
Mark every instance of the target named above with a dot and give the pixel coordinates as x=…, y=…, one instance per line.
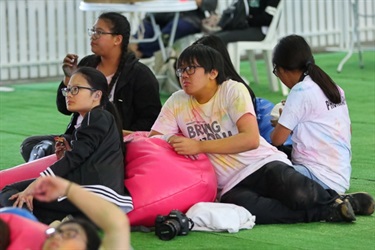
x=24, y=233
x=159, y=180
x=25, y=171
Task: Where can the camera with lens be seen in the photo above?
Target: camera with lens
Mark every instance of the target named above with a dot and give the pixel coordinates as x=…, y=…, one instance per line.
x=175, y=223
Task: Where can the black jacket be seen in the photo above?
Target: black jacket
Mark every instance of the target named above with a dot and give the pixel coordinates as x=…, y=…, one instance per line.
x=259, y=14
x=136, y=95
x=96, y=160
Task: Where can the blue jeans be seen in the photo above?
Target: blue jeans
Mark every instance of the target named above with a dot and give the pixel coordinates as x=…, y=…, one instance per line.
x=306, y=172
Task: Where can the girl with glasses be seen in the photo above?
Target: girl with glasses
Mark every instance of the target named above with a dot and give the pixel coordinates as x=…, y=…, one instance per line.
x=262, y=107
x=93, y=156
x=75, y=233
x=216, y=117
x=316, y=115
x=133, y=88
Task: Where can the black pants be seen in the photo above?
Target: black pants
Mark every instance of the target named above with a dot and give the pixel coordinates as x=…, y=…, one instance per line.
x=249, y=34
x=277, y=193
x=29, y=143
x=43, y=211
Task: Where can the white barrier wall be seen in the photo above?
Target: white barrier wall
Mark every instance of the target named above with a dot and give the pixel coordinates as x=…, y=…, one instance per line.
x=35, y=35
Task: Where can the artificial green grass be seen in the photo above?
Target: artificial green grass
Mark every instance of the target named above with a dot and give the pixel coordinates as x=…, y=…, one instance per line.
x=31, y=110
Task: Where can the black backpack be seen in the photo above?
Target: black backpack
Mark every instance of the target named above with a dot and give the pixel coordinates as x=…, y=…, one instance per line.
x=235, y=16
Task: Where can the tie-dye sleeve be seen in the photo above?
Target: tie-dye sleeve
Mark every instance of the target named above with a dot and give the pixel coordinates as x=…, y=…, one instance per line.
x=166, y=123
x=239, y=101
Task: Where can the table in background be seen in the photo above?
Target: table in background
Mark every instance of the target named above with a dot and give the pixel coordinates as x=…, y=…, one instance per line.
x=354, y=36
x=150, y=7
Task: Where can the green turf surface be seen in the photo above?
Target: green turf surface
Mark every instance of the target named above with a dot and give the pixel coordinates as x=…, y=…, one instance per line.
x=31, y=110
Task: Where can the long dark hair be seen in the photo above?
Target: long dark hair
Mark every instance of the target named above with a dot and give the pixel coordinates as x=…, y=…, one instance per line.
x=293, y=53
x=91, y=231
x=98, y=81
x=119, y=25
x=216, y=43
x=206, y=57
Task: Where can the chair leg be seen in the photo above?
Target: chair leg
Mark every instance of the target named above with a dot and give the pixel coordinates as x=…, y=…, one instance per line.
x=253, y=65
x=233, y=51
x=273, y=81
x=284, y=89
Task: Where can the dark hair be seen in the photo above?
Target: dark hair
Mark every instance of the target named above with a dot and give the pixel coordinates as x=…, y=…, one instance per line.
x=206, y=57
x=93, y=239
x=293, y=53
x=216, y=43
x=4, y=235
x=120, y=25
x=98, y=81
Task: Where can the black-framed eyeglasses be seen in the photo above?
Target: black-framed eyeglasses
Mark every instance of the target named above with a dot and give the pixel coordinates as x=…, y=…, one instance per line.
x=189, y=70
x=69, y=233
x=74, y=90
x=274, y=71
x=97, y=33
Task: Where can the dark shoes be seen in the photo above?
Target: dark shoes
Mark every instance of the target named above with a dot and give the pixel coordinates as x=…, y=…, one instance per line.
x=361, y=202
x=340, y=211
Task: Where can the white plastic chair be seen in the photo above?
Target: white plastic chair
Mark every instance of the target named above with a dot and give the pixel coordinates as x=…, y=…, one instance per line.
x=266, y=46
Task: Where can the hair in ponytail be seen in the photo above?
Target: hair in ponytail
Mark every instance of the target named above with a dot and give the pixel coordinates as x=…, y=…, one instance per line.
x=120, y=25
x=98, y=81
x=293, y=53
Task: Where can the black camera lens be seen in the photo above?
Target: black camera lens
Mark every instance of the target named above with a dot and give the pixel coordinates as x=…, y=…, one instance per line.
x=169, y=229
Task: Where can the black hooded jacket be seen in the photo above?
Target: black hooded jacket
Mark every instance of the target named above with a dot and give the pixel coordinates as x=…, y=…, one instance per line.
x=96, y=160
x=136, y=94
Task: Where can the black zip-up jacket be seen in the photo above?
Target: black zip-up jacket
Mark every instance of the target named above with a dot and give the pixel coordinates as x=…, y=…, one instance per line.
x=96, y=160
x=136, y=94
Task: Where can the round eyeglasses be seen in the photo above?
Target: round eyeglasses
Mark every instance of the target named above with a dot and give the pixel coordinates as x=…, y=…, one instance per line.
x=69, y=233
x=189, y=70
x=97, y=33
x=74, y=90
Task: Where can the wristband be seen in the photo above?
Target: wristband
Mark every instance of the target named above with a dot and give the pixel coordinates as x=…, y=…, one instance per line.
x=166, y=137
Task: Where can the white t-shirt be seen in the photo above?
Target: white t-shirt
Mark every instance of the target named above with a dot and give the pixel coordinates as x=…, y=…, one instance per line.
x=321, y=133
x=214, y=120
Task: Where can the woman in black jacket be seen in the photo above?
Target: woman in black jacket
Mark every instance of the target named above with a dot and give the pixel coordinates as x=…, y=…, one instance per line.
x=133, y=88
x=93, y=156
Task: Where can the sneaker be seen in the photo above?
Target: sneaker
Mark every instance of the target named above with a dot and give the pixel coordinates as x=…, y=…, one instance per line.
x=340, y=211
x=361, y=202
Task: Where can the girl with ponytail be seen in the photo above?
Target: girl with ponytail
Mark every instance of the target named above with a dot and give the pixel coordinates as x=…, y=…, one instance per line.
x=315, y=114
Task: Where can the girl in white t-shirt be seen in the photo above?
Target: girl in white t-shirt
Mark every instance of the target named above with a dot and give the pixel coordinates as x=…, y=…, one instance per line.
x=317, y=116
x=216, y=117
